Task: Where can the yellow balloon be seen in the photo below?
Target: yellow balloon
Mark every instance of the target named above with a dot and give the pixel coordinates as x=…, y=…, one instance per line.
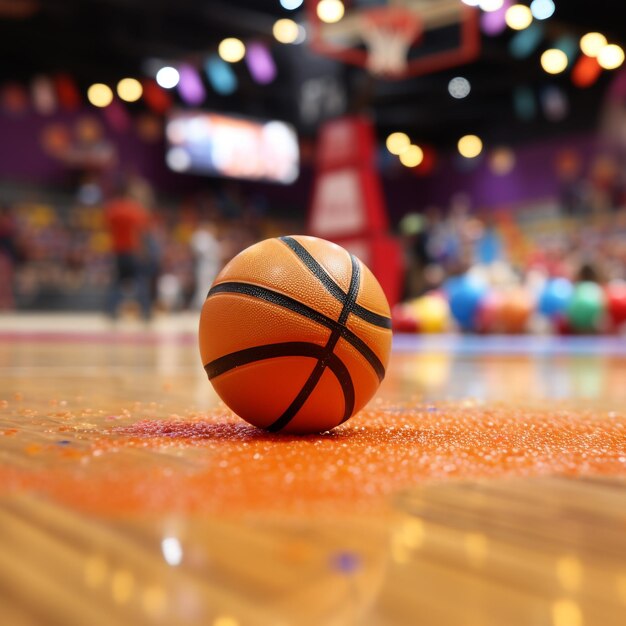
x=433, y=314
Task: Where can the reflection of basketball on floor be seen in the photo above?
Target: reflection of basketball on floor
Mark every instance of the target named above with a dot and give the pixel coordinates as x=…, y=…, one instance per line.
x=295, y=334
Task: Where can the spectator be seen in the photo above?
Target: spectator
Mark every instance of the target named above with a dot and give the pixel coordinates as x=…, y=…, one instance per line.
x=128, y=222
x=208, y=256
x=7, y=258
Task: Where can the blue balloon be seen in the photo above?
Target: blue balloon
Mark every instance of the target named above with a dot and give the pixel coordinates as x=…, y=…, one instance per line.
x=452, y=284
x=555, y=297
x=465, y=295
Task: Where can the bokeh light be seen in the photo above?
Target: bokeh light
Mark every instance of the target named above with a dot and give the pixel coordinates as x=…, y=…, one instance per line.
x=302, y=34
x=470, y=146
x=493, y=22
x=524, y=102
x=285, y=31
x=611, y=57
x=171, y=548
x=129, y=89
x=260, y=63
x=569, y=45
x=518, y=17
x=542, y=9
x=178, y=159
x=525, y=42
x=459, y=87
x=220, y=75
x=554, y=61
x=592, y=43
x=412, y=156
x=44, y=97
x=231, y=49
x=554, y=102
x=502, y=161
x=471, y=3
x=190, y=86
x=397, y=143
x=291, y=5
x=330, y=11
x=490, y=5
x=586, y=71
x=100, y=95
x=167, y=77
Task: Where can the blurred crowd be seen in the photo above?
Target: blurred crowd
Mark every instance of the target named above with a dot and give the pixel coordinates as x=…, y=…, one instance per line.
x=125, y=249
x=127, y=253
x=512, y=246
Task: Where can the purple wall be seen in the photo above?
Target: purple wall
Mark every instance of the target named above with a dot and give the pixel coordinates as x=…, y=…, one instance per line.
x=534, y=177
x=22, y=157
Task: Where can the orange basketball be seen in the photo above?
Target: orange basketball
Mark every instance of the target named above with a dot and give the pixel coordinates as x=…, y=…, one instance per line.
x=295, y=334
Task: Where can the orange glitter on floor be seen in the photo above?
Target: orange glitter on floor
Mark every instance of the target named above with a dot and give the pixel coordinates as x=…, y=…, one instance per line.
x=217, y=463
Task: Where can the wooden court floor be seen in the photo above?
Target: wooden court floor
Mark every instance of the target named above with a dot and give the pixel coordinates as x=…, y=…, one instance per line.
x=484, y=486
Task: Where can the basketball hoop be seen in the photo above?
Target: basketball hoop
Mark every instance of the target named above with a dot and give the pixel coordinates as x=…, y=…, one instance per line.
x=388, y=33
x=381, y=38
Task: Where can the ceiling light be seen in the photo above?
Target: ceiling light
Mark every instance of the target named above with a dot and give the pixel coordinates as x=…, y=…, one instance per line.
x=518, y=17
x=490, y=5
x=542, y=9
x=330, y=11
x=285, y=31
x=167, y=77
x=397, y=143
x=231, y=50
x=291, y=5
x=611, y=57
x=412, y=156
x=100, y=95
x=470, y=146
x=459, y=87
x=554, y=61
x=129, y=89
x=592, y=43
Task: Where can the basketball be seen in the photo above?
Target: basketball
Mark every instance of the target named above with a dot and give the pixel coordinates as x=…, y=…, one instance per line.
x=295, y=335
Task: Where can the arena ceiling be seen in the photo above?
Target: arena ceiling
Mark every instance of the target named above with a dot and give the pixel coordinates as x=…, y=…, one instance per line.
x=104, y=40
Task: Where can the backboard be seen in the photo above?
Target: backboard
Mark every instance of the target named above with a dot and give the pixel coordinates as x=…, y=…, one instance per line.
x=396, y=39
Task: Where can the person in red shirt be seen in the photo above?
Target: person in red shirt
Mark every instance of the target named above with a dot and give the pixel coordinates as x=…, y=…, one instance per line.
x=128, y=223
x=8, y=258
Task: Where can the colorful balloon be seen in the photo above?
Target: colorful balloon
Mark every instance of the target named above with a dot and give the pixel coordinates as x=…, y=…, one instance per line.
x=465, y=294
x=616, y=302
x=586, y=308
x=403, y=319
x=433, y=313
x=555, y=297
x=515, y=311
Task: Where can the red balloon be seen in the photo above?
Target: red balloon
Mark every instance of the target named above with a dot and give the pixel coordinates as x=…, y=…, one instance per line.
x=562, y=325
x=616, y=302
x=403, y=319
x=488, y=315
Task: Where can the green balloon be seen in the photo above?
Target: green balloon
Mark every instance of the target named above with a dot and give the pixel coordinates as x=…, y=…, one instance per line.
x=586, y=307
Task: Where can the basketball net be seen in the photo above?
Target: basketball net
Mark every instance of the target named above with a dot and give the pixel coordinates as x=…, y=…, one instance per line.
x=388, y=33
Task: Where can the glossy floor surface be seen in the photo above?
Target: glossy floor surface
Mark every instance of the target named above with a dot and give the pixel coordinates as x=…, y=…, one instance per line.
x=483, y=486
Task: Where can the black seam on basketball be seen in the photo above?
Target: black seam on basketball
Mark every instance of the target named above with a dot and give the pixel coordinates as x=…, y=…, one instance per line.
x=292, y=348
x=280, y=299
x=259, y=353
x=331, y=286
x=353, y=291
x=349, y=299
x=318, y=271
x=297, y=403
